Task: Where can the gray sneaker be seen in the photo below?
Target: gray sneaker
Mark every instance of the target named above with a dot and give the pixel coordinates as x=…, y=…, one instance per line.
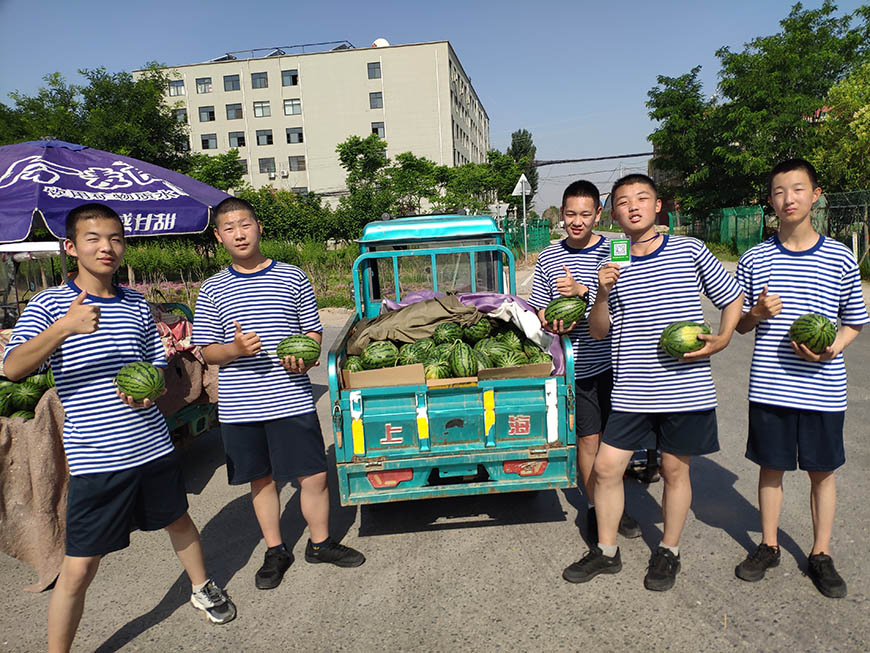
x=214, y=601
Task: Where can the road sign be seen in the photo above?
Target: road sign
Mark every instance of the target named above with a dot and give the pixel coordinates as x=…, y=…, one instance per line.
x=523, y=186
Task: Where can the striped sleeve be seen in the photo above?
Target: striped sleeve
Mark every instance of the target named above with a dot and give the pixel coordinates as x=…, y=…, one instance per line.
x=744, y=280
x=155, y=352
x=853, y=312
x=35, y=318
x=207, y=329
x=719, y=286
x=306, y=305
x=540, y=296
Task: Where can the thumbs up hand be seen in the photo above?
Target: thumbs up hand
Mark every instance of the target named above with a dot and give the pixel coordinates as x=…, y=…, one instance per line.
x=568, y=286
x=81, y=318
x=767, y=305
x=246, y=344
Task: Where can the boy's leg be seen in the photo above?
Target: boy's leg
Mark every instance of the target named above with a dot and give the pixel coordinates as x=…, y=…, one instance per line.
x=587, y=449
x=609, y=491
x=676, y=496
x=68, y=600
x=823, y=503
x=188, y=547
x=770, y=503
x=314, y=502
x=267, y=508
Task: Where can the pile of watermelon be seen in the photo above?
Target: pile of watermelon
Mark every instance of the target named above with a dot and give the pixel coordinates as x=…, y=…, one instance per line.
x=455, y=351
x=20, y=399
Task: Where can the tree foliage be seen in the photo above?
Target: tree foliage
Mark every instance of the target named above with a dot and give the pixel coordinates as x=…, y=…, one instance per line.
x=522, y=150
x=717, y=151
x=290, y=217
x=223, y=171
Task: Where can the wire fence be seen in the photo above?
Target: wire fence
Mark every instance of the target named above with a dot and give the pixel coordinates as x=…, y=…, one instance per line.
x=538, y=233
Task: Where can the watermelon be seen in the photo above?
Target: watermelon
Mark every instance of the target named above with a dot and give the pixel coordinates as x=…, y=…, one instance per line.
x=538, y=356
x=379, y=354
x=512, y=338
x=494, y=348
x=43, y=381
x=24, y=414
x=353, y=364
x=530, y=348
x=462, y=360
x=681, y=337
x=25, y=395
x=447, y=332
x=6, y=386
x=5, y=404
x=483, y=361
x=439, y=352
x=425, y=344
x=411, y=353
x=300, y=346
x=477, y=331
x=813, y=330
x=510, y=358
x=50, y=377
x=436, y=370
x=140, y=380
x=567, y=309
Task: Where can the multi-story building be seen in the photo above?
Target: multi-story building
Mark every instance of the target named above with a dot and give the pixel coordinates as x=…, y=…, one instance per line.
x=285, y=113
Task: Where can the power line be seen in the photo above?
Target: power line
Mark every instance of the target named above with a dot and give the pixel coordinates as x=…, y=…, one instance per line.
x=539, y=163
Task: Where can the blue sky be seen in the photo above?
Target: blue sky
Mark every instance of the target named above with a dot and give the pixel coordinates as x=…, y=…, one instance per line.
x=574, y=73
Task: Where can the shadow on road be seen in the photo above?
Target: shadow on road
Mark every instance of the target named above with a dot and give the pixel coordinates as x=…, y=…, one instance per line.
x=460, y=512
x=229, y=539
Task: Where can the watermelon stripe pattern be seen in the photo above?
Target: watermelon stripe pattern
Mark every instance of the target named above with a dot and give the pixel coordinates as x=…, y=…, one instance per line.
x=300, y=346
x=823, y=279
x=645, y=380
x=591, y=356
x=276, y=301
x=101, y=433
x=140, y=380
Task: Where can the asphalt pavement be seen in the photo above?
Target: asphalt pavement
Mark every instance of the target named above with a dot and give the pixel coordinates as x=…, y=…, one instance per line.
x=484, y=573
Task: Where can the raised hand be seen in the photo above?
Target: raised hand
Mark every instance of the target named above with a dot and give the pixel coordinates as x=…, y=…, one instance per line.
x=607, y=276
x=247, y=344
x=568, y=286
x=81, y=318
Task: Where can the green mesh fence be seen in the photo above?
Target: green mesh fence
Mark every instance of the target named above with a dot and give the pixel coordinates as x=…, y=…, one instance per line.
x=845, y=217
x=739, y=226
x=538, y=234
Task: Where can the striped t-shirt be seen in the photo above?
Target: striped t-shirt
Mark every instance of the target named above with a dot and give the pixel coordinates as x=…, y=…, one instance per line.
x=656, y=290
x=823, y=279
x=100, y=432
x=276, y=302
x=591, y=356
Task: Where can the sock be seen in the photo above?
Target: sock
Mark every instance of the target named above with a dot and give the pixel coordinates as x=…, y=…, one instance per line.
x=673, y=549
x=280, y=547
x=608, y=549
x=197, y=588
x=317, y=545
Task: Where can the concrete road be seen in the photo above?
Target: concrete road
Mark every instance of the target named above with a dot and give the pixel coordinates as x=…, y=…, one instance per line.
x=485, y=573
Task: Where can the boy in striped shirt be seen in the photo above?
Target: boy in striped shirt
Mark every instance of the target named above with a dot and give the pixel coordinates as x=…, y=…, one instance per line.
x=656, y=399
x=269, y=425
x=124, y=471
x=797, y=398
x=569, y=269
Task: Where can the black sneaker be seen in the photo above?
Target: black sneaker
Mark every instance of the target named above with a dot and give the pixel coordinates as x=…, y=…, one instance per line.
x=763, y=558
x=591, y=526
x=592, y=564
x=275, y=563
x=628, y=527
x=826, y=579
x=215, y=602
x=662, y=571
x=337, y=554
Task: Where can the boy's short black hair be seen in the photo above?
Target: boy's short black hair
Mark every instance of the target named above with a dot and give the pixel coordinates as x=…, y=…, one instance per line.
x=231, y=204
x=788, y=166
x=88, y=212
x=635, y=178
x=582, y=188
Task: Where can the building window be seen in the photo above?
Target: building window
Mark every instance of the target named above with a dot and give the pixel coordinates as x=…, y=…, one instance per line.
x=292, y=107
x=176, y=87
x=376, y=100
x=297, y=163
x=264, y=137
x=267, y=164
x=374, y=69
x=262, y=110
x=259, y=80
x=209, y=141
x=244, y=163
x=237, y=139
x=294, y=134
x=203, y=84
x=378, y=128
x=289, y=77
x=206, y=114
x=231, y=83
x=234, y=111
x=300, y=190
x=181, y=115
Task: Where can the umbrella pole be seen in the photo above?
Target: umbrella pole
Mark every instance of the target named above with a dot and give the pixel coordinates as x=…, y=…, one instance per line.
x=63, y=278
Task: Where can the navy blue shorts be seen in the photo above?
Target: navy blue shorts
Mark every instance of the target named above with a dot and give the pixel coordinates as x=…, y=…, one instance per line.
x=103, y=508
x=592, y=403
x=785, y=438
x=286, y=448
x=682, y=434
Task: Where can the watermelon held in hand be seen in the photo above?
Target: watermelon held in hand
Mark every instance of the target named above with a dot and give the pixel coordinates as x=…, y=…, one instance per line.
x=300, y=346
x=140, y=380
x=353, y=364
x=25, y=395
x=681, y=337
x=813, y=330
x=379, y=354
x=567, y=309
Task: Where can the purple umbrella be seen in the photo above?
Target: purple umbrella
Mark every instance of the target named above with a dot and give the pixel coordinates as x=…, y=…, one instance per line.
x=52, y=177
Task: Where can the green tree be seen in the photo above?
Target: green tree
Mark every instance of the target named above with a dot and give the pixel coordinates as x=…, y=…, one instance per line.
x=288, y=216
x=369, y=193
x=412, y=179
x=843, y=159
x=222, y=171
x=553, y=216
x=522, y=150
x=55, y=112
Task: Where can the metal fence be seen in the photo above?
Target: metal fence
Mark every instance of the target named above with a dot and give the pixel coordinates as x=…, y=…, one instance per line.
x=845, y=217
x=538, y=234
x=740, y=226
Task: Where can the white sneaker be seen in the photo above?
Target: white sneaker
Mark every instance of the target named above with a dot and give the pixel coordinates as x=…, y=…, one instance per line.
x=214, y=601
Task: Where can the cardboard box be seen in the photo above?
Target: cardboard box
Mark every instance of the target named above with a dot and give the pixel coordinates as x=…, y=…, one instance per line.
x=460, y=382
x=388, y=376
x=518, y=372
